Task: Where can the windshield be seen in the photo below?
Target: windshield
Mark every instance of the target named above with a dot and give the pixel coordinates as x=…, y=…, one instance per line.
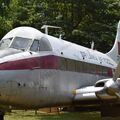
x=20, y=43
x=5, y=43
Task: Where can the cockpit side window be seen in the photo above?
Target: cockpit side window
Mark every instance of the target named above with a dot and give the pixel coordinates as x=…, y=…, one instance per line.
x=45, y=44
x=35, y=46
x=41, y=45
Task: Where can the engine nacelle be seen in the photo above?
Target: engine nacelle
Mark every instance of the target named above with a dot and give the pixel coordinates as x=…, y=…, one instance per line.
x=101, y=83
x=103, y=94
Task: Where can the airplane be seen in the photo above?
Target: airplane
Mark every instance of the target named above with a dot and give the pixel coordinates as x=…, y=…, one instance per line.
x=38, y=70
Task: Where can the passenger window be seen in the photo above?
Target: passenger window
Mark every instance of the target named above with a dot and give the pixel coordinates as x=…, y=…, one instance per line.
x=104, y=71
x=87, y=67
x=93, y=69
x=63, y=63
x=35, y=46
x=70, y=65
x=79, y=66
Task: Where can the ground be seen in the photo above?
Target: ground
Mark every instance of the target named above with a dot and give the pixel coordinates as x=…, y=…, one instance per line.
x=30, y=115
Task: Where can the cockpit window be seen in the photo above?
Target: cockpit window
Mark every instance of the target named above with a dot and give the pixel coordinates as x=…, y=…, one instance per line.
x=20, y=43
x=5, y=43
x=35, y=46
x=41, y=45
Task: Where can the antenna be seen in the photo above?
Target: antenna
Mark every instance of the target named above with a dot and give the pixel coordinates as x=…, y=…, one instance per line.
x=60, y=36
x=92, y=45
x=49, y=26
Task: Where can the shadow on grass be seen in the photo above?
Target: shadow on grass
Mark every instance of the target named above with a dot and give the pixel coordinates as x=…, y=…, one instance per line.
x=77, y=116
x=30, y=115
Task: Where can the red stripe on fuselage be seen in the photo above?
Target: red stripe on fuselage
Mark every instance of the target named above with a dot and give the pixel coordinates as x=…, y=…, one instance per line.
x=42, y=62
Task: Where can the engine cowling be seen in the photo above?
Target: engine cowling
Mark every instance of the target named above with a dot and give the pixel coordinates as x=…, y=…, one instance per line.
x=108, y=91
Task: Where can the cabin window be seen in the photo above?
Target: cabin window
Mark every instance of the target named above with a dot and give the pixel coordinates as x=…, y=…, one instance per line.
x=70, y=65
x=87, y=67
x=110, y=72
x=20, y=43
x=5, y=43
x=83, y=67
x=79, y=66
x=104, y=71
x=62, y=63
x=92, y=68
x=98, y=70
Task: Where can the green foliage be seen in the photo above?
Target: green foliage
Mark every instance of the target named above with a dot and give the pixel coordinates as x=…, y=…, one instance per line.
x=82, y=21
x=5, y=23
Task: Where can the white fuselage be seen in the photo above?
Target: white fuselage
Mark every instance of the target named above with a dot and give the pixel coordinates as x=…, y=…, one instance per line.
x=34, y=79
x=23, y=84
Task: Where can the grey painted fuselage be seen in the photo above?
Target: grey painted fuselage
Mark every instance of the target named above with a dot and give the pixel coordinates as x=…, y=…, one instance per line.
x=42, y=88
x=29, y=80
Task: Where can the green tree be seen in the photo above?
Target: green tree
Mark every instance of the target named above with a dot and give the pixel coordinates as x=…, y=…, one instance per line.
x=83, y=21
x=5, y=16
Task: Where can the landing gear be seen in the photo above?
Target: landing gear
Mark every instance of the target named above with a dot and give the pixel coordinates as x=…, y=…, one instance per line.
x=2, y=115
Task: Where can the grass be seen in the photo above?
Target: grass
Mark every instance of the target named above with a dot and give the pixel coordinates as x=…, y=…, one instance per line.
x=30, y=115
